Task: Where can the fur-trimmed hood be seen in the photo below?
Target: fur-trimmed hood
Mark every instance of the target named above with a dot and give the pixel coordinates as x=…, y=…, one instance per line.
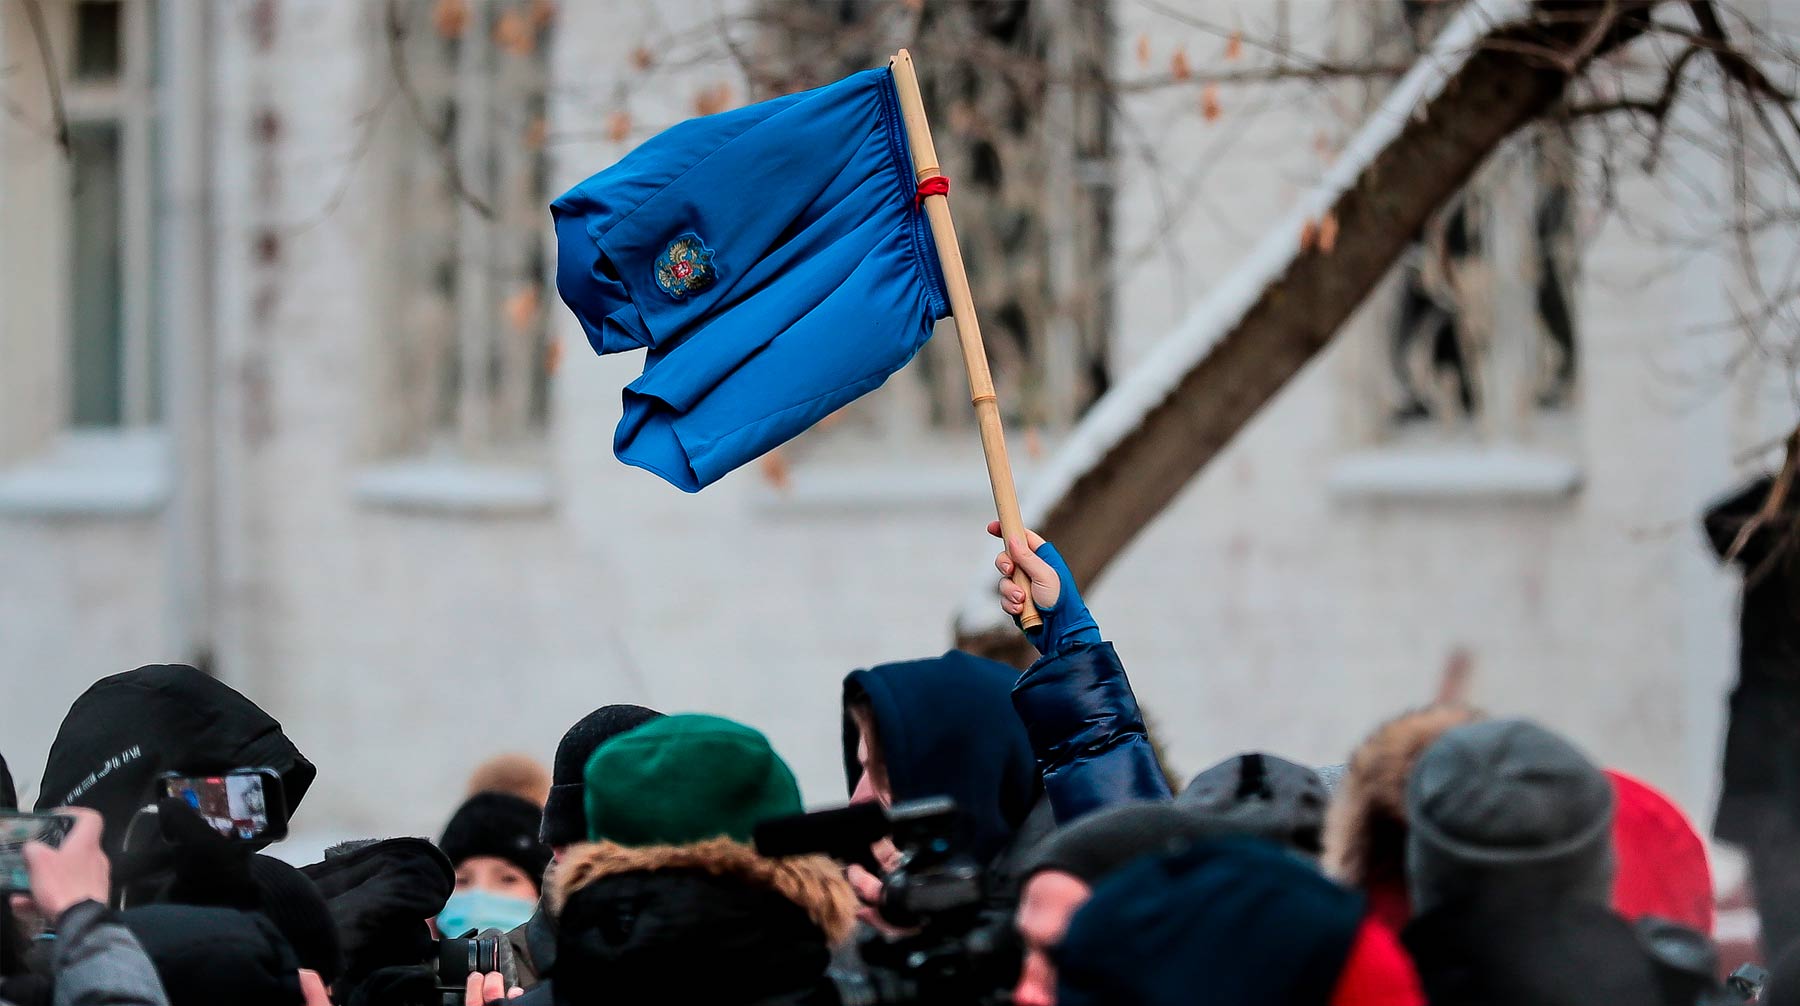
x=814, y=883
x=1365, y=826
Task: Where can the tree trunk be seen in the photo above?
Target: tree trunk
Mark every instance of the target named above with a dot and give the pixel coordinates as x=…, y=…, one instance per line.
x=1131, y=455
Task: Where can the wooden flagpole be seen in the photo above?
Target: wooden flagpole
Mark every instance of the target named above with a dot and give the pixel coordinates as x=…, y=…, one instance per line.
x=962, y=309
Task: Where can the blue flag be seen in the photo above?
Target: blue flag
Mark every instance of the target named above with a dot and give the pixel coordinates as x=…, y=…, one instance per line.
x=771, y=260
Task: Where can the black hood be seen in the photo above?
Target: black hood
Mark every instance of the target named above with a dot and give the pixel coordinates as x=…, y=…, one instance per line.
x=380, y=895
x=215, y=956
x=947, y=728
x=9, y=797
x=127, y=729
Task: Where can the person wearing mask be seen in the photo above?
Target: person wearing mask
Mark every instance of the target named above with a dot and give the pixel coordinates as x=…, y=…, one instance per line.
x=492, y=842
x=669, y=902
x=565, y=824
x=95, y=961
x=1230, y=920
x=517, y=774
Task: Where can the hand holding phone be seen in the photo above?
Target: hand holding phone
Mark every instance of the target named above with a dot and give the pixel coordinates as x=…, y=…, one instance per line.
x=71, y=872
x=17, y=828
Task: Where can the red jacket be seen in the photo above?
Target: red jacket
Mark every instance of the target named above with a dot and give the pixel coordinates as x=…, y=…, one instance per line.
x=1378, y=971
x=1662, y=868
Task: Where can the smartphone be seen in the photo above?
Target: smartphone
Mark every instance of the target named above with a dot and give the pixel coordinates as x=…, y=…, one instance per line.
x=18, y=827
x=244, y=804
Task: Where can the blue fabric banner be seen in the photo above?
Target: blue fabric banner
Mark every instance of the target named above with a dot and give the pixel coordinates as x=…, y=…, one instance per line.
x=771, y=260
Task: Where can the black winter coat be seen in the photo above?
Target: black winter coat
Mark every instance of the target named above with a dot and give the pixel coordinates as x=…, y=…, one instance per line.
x=706, y=923
x=1762, y=741
x=1569, y=955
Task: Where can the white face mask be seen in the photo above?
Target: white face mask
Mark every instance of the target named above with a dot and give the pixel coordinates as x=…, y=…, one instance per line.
x=473, y=908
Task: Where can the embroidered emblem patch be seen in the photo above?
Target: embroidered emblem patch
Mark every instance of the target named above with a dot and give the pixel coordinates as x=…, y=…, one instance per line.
x=685, y=267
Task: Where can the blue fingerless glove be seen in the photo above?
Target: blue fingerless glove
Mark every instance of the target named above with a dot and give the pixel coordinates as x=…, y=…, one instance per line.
x=1068, y=623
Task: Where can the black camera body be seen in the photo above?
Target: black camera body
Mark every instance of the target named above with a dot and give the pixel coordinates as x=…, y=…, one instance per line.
x=932, y=880
x=956, y=948
x=472, y=953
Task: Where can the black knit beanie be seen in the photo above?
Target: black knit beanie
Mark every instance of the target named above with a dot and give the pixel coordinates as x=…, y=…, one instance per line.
x=565, y=818
x=294, y=904
x=499, y=825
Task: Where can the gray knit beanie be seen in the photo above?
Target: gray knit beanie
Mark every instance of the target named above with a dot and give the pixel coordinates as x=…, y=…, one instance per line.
x=1101, y=842
x=1260, y=796
x=1504, y=813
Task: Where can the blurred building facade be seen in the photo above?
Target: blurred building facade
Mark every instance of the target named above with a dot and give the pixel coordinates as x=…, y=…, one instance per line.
x=283, y=389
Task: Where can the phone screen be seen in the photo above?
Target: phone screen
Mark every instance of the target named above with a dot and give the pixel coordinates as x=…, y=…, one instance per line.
x=17, y=828
x=235, y=804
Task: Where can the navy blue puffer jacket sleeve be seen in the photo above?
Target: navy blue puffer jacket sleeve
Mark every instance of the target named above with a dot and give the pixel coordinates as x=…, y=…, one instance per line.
x=1087, y=732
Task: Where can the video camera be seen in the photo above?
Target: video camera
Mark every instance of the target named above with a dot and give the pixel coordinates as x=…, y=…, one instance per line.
x=958, y=947
x=472, y=953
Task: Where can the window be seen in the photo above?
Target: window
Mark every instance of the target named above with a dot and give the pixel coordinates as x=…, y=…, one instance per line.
x=1483, y=332
x=1475, y=335
x=113, y=337
x=1467, y=381
x=1463, y=372
x=469, y=192
x=1021, y=114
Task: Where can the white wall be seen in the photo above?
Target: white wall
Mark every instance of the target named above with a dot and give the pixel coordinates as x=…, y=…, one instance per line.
x=401, y=647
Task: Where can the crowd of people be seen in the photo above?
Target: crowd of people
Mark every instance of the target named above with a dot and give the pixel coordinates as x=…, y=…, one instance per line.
x=1009, y=838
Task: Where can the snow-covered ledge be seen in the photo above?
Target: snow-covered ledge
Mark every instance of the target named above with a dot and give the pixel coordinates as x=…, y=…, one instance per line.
x=455, y=487
x=1455, y=473
x=90, y=473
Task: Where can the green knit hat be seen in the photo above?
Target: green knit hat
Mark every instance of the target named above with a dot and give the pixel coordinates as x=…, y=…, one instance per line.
x=684, y=779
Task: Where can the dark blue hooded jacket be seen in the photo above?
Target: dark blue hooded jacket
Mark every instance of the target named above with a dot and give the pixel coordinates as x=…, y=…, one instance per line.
x=1086, y=729
x=946, y=728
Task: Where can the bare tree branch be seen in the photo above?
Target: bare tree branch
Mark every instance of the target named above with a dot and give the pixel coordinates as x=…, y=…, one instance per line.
x=1657, y=110
x=1736, y=65
x=439, y=133
x=1322, y=70
x=59, y=115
